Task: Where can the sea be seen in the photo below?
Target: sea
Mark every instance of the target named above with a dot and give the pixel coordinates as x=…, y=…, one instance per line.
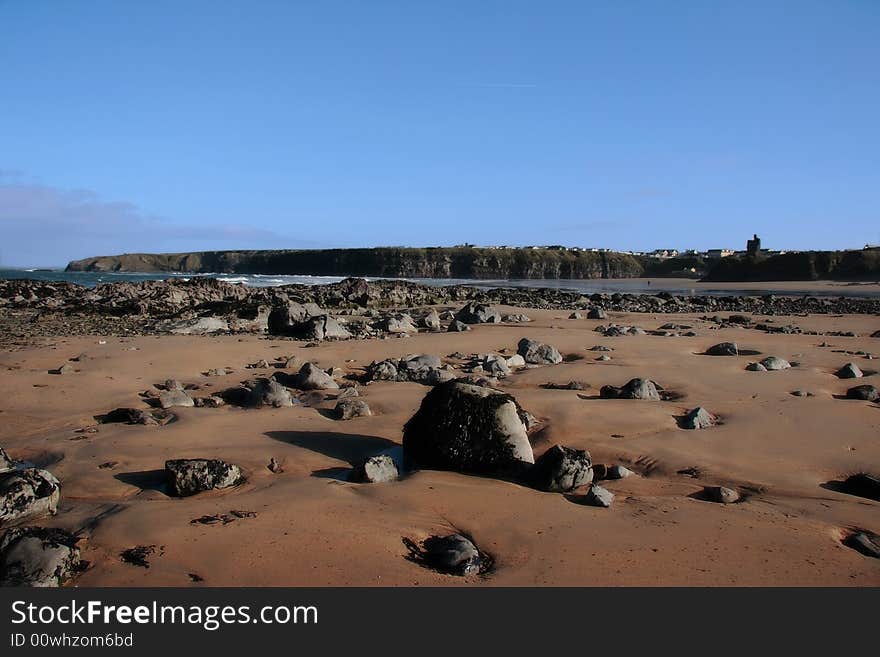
x=623, y=285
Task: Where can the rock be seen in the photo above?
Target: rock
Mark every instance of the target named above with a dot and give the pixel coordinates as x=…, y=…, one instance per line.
x=454, y=555
x=698, y=418
x=495, y=365
x=385, y=370
x=867, y=544
x=575, y=316
x=633, y=389
x=312, y=377
x=347, y=409
x=375, y=470
x=261, y=364
x=850, y=371
x=64, y=369
x=865, y=392
x=175, y=397
x=516, y=361
x=274, y=466
x=287, y=318
x=268, y=392
x=599, y=496
x=597, y=313
x=458, y=327
x=27, y=493
x=538, y=353
x=720, y=494
x=187, y=477
x=218, y=371
x=431, y=321
x=399, y=323
x=38, y=557
x=138, y=416
x=516, y=318
x=323, y=327
x=561, y=469
x=603, y=358
x=618, y=472
x=801, y=393
x=723, y=349
x=467, y=428
x=346, y=393
x=202, y=326
x=477, y=313
x=772, y=363
x=601, y=347
x=6, y=463
x=863, y=485
x=209, y=402
x=756, y=367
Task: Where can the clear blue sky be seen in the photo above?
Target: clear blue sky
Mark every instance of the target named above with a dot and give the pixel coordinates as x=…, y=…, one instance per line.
x=166, y=126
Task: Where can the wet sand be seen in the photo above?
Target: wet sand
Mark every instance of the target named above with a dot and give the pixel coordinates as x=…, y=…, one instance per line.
x=313, y=528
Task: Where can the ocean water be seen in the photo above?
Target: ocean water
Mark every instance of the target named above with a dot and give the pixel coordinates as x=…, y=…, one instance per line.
x=622, y=285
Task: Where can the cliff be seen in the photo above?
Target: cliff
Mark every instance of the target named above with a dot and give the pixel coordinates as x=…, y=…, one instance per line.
x=804, y=266
x=391, y=262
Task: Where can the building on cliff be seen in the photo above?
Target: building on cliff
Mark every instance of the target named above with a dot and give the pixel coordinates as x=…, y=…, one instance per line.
x=753, y=246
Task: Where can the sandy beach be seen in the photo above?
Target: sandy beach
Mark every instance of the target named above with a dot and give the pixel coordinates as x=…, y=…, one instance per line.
x=309, y=526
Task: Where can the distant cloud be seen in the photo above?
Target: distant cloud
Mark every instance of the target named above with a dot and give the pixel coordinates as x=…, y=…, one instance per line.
x=47, y=226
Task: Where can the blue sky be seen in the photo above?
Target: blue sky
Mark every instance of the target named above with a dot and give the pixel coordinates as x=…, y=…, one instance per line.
x=174, y=126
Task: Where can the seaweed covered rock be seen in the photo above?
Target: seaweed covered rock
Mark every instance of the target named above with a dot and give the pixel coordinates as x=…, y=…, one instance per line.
x=561, y=469
x=27, y=493
x=468, y=428
x=187, y=477
x=38, y=557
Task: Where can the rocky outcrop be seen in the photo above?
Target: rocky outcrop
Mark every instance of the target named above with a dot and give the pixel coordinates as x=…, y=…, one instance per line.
x=27, y=493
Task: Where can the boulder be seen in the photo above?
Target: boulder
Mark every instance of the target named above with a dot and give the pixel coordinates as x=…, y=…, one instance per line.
x=398, y=323
x=850, y=371
x=618, y=472
x=723, y=349
x=597, y=313
x=698, y=418
x=561, y=469
x=287, y=318
x=187, y=477
x=756, y=367
x=863, y=485
x=385, y=370
x=175, y=397
x=517, y=318
x=516, y=361
x=27, y=493
x=468, y=428
x=431, y=321
x=322, y=327
x=457, y=326
x=349, y=408
x=772, y=363
x=477, y=313
x=864, y=542
x=138, y=416
x=720, y=494
x=538, y=353
x=312, y=377
x=38, y=557
x=865, y=392
x=575, y=315
x=375, y=470
x=268, y=392
x=633, y=389
x=454, y=555
x=599, y=496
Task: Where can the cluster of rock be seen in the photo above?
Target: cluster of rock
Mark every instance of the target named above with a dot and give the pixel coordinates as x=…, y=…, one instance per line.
x=417, y=368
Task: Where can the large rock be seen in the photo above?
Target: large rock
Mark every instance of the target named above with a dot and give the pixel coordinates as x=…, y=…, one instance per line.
x=698, y=418
x=287, y=318
x=863, y=485
x=864, y=542
x=468, y=428
x=322, y=327
x=561, y=469
x=187, y=477
x=312, y=377
x=454, y=554
x=349, y=408
x=596, y=313
x=399, y=323
x=457, y=326
x=538, y=353
x=633, y=389
x=375, y=470
x=27, y=493
x=431, y=321
x=38, y=557
x=865, y=392
x=267, y=392
x=850, y=371
x=477, y=313
x=772, y=363
x=723, y=349
x=175, y=397
x=721, y=494
x=599, y=496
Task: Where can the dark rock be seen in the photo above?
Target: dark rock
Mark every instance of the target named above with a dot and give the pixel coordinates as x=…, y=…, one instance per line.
x=139, y=555
x=597, y=313
x=772, y=363
x=477, y=313
x=154, y=417
x=561, y=469
x=38, y=557
x=862, y=485
x=864, y=542
x=454, y=555
x=27, y=493
x=599, y=496
x=468, y=428
x=723, y=349
x=457, y=326
x=850, y=371
x=865, y=392
x=720, y=494
x=190, y=476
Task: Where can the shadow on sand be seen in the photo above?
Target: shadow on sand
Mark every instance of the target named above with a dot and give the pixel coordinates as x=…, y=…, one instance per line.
x=348, y=447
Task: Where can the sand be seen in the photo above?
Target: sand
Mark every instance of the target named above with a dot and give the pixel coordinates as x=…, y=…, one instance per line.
x=313, y=528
